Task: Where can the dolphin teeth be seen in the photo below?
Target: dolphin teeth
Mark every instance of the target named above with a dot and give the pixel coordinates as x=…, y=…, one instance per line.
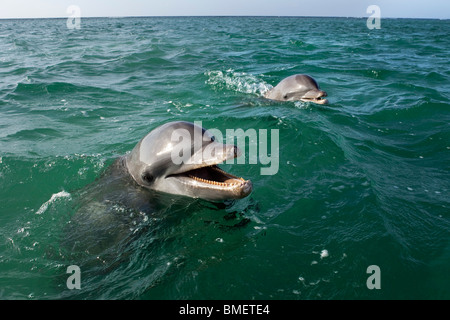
x=214, y=176
x=222, y=184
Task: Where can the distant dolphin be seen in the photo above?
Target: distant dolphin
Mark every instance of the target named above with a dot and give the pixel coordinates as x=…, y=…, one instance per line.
x=152, y=164
x=297, y=87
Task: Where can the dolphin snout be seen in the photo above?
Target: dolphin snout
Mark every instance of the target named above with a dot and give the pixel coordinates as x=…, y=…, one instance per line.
x=314, y=94
x=246, y=189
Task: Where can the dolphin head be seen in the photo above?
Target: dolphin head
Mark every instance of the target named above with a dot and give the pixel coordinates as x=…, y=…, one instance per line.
x=181, y=158
x=299, y=87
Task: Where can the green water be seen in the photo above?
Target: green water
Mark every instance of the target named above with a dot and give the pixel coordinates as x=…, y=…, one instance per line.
x=362, y=181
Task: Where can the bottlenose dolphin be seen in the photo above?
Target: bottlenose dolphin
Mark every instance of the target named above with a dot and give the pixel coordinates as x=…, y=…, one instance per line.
x=297, y=87
x=181, y=158
x=176, y=158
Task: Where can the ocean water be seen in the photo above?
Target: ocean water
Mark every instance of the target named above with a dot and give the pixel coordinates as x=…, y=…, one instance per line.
x=362, y=181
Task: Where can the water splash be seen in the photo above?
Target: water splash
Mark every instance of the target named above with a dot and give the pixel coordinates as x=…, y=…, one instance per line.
x=237, y=81
x=55, y=197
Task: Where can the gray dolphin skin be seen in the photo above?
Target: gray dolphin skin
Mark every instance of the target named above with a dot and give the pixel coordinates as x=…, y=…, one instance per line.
x=299, y=87
x=154, y=163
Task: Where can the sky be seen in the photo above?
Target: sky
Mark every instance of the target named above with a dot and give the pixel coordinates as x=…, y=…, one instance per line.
x=439, y=9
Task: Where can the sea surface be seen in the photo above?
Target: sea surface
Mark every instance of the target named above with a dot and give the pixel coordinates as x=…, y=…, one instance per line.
x=363, y=181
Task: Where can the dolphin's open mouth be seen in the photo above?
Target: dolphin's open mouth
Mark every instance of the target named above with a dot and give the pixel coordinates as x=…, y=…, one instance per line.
x=214, y=175
x=221, y=184
x=211, y=175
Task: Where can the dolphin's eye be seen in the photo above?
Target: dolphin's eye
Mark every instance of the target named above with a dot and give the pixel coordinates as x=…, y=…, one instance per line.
x=208, y=137
x=147, y=177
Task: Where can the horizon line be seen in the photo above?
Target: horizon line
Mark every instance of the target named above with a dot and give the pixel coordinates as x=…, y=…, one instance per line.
x=216, y=16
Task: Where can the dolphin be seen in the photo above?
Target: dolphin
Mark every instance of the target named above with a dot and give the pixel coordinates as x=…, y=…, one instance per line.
x=297, y=87
x=115, y=209
x=181, y=158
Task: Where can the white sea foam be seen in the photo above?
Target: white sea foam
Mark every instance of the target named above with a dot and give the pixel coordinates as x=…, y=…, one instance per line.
x=53, y=199
x=323, y=253
x=237, y=81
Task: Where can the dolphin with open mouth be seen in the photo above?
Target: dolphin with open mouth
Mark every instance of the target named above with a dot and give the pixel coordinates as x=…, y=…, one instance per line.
x=299, y=87
x=176, y=158
x=126, y=208
x=182, y=158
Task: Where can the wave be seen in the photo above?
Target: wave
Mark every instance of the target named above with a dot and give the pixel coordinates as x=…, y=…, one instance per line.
x=37, y=134
x=26, y=90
